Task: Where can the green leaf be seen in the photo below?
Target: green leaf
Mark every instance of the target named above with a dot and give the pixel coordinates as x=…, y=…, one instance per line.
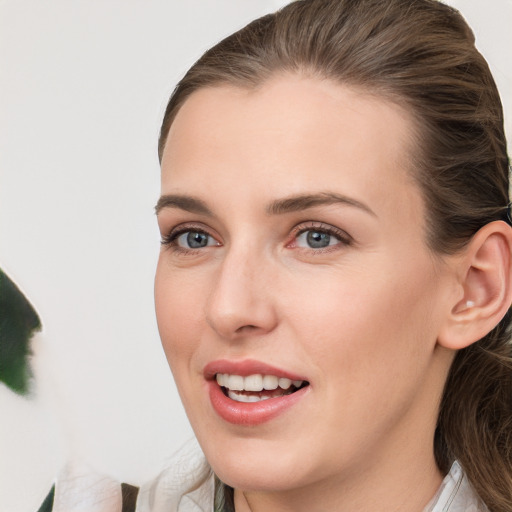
x=18, y=322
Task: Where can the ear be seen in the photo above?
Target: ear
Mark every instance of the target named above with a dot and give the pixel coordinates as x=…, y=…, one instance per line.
x=485, y=280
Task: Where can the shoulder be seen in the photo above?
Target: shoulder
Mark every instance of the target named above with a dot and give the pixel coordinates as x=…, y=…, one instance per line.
x=128, y=499
x=186, y=485
x=78, y=486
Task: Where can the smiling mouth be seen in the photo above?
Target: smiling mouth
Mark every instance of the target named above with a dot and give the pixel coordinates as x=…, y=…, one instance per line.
x=257, y=387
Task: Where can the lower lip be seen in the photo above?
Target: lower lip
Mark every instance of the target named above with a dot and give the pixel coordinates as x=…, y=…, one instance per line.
x=252, y=413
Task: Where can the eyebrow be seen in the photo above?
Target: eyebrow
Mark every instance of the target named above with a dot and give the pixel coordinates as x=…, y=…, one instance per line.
x=277, y=207
x=305, y=201
x=187, y=203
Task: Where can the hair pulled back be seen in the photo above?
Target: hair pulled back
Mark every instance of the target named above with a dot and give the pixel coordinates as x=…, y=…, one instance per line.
x=419, y=54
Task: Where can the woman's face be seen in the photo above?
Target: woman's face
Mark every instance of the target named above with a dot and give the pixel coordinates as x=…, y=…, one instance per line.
x=294, y=250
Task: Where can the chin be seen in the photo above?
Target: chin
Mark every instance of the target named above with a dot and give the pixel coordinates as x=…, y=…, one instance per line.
x=258, y=468
x=262, y=479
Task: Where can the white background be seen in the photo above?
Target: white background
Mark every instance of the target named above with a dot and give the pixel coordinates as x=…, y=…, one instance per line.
x=83, y=86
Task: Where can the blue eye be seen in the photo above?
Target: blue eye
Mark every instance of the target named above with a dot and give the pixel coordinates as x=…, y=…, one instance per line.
x=194, y=240
x=317, y=236
x=316, y=239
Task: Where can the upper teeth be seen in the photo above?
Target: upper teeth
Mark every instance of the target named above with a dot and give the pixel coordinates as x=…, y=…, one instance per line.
x=255, y=382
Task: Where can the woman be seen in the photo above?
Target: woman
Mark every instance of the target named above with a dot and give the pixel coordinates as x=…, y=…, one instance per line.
x=334, y=179
x=333, y=288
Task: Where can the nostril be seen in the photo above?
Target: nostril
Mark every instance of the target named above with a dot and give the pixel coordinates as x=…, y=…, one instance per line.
x=245, y=328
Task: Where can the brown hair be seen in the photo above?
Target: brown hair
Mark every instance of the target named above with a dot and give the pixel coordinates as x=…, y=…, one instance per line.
x=421, y=55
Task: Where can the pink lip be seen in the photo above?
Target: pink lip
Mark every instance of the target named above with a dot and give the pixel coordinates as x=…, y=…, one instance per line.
x=253, y=413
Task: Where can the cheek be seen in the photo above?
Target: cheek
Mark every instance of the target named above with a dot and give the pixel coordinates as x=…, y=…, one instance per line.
x=371, y=328
x=177, y=305
x=370, y=340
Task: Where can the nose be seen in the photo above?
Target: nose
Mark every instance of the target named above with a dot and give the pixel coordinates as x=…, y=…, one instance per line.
x=241, y=302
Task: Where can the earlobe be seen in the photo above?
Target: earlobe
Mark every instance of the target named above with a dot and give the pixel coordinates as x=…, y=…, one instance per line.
x=486, y=283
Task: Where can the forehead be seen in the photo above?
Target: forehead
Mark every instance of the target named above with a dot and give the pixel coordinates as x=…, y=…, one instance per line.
x=299, y=131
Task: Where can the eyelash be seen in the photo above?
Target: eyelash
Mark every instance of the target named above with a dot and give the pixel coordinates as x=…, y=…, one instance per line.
x=344, y=239
x=171, y=240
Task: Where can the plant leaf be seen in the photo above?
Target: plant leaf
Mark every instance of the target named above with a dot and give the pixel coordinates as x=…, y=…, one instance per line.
x=18, y=322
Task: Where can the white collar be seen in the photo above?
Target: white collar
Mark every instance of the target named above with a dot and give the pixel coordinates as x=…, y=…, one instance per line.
x=455, y=494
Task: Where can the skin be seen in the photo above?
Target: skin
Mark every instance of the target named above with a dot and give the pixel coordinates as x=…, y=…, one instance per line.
x=359, y=318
